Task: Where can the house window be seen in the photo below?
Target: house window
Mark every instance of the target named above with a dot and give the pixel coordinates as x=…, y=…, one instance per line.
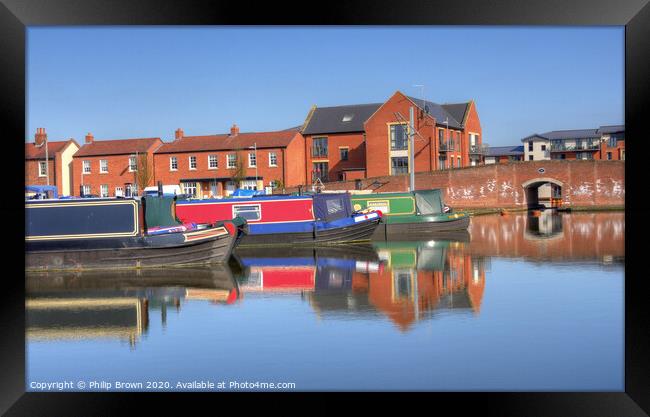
x=459, y=165
x=623, y=154
x=42, y=169
x=609, y=156
x=103, y=166
x=212, y=162
x=252, y=160
x=173, y=163
x=189, y=188
x=119, y=192
x=398, y=137
x=399, y=165
x=103, y=190
x=86, y=165
x=132, y=164
x=458, y=142
x=612, y=142
x=273, y=159
x=320, y=171
x=86, y=189
x=192, y=162
x=442, y=162
x=530, y=146
x=248, y=185
x=344, y=153
x=451, y=162
x=543, y=147
x=248, y=212
x=319, y=147
x=231, y=161
x=530, y=157
x=274, y=184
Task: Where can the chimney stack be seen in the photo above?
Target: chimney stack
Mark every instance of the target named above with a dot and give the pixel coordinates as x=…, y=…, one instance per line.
x=234, y=130
x=89, y=138
x=40, y=137
x=179, y=133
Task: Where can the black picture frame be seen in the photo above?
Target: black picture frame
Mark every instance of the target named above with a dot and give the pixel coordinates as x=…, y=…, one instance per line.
x=16, y=15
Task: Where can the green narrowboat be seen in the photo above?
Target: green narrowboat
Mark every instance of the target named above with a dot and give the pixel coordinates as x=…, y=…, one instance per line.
x=420, y=213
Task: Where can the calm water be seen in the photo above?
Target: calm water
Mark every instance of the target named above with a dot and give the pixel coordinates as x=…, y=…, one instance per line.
x=518, y=303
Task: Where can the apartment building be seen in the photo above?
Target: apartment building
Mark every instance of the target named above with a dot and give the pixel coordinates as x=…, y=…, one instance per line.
x=503, y=154
x=606, y=142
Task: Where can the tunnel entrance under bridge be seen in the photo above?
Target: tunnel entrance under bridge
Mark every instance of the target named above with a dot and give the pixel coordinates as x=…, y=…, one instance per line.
x=543, y=192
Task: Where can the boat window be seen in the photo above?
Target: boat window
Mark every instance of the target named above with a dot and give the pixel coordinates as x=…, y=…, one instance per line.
x=426, y=206
x=248, y=212
x=334, y=206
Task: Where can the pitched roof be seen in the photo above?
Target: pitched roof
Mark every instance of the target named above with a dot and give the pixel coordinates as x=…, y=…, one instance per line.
x=224, y=142
x=566, y=134
x=454, y=113
x=38, y=152
x=504, y=150
x=116, y=147
x=611, y=129
x=340, y=119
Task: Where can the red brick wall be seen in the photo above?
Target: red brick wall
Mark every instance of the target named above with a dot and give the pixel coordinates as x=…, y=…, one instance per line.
x=118, y=173
x=32, y=170
x=472, y=124
x=356, y=153
x=586, y=183
x=294, y=161
x=264, y=171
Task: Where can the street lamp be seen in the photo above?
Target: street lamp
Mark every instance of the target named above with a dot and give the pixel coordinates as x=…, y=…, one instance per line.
x=255, y=147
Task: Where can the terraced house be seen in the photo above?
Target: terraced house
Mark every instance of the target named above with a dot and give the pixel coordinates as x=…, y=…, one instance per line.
x=213, y=166
x=112, y=168
x=368, y=140
x=50, y=163
x=606, y=142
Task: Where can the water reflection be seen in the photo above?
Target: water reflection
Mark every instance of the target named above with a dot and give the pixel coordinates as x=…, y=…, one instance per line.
x=402, y=282
x=116, y=304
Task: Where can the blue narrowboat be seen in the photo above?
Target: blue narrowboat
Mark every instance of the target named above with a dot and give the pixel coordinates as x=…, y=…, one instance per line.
x=120, y=233
x=289, y=220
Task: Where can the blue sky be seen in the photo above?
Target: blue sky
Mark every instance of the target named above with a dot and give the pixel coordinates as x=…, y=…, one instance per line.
x=125, y=82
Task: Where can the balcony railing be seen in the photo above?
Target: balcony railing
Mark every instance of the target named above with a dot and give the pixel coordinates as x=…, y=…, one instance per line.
x=564, y=148
x=476, y=150
x=445, y=146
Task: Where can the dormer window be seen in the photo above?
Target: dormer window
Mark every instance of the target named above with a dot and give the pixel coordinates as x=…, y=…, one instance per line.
x=348, y=117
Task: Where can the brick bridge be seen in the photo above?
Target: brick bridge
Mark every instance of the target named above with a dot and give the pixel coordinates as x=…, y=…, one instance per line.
x=577, y=183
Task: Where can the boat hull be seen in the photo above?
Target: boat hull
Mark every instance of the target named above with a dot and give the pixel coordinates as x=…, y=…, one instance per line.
x=357, y=232
x=148, y=252
x=423, y=229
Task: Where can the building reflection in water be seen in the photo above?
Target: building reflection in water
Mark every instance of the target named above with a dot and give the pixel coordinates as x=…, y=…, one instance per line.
x=116, y=304
x=404, y=281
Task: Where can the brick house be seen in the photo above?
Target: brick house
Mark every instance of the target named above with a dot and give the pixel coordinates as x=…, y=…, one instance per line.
x=215, y=165
x=606, y=142
x=57, y=166
x=369, y=140
x=109, y=168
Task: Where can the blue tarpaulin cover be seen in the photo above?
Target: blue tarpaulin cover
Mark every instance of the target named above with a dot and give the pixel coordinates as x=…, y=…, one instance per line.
x=330, y=207
x=247, y=193
x=42, y=189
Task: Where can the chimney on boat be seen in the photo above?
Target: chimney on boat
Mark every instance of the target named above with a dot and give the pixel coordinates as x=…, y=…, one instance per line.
x=40, y=137
x=234, y=130
x=89, y=138
x=178, y=134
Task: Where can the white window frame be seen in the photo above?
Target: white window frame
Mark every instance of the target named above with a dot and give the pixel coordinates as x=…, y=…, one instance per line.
x=135, y=163
x=235, y=208
x=101, y=166
x=119, y=191
x=42, y=168
x=173, y=161
x=252, y=156
x=215, y=159
x=196, y=187
x=231, y=158
x=192, y=161
x=103, y=187
x=85, y=164
x=274, y=154
x=87, y=189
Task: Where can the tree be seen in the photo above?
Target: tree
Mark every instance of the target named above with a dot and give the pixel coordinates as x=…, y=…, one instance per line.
x=144, y=171
x=239, y=173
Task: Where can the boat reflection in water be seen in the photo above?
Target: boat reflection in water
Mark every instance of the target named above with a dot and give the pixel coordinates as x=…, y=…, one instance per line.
x=116, y=304
x=403, y=281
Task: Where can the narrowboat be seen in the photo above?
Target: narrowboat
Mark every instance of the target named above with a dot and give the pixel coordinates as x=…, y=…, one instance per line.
x=120, y=233
x=318, y=219
x=415, y=214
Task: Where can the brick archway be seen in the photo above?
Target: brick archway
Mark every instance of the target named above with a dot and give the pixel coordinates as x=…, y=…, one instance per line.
x=531, y=190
